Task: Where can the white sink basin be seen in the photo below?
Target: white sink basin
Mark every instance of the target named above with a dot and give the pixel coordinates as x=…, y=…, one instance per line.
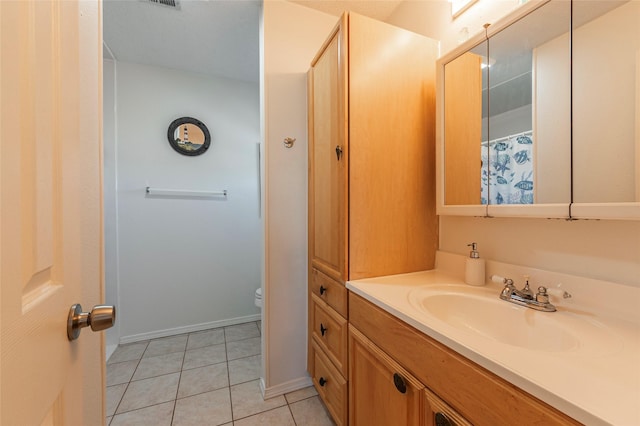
x=480, y=311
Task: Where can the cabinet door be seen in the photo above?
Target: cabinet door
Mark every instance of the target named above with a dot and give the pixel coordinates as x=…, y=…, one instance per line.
x=438, y=413
x=328, y=160
x=381, y=392
x=393, y=228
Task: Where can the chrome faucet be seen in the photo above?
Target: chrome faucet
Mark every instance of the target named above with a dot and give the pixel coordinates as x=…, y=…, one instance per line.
x=524, y=297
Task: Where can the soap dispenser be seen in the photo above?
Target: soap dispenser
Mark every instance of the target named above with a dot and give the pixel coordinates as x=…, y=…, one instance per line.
x=474, y=269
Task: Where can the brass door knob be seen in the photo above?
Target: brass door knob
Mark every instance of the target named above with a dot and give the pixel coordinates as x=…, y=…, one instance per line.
x=100, y=318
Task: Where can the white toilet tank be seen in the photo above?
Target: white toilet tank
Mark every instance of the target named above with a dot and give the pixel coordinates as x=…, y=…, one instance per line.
x=258, y=298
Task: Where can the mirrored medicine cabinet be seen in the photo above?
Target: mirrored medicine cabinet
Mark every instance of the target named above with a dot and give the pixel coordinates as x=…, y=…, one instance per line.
x=539, y=116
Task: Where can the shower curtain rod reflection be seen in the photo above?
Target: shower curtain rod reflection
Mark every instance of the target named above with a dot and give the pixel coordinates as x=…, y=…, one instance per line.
x=515, y=135
x=184, y=192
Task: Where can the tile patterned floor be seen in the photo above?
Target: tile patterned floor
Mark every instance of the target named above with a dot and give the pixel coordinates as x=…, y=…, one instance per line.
x=205, y=378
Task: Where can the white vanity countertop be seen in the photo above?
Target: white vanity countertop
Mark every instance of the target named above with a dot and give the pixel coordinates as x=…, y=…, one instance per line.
x=597, y=384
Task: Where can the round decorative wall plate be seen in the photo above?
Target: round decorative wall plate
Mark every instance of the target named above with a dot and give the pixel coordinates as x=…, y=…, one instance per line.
x=189, y=136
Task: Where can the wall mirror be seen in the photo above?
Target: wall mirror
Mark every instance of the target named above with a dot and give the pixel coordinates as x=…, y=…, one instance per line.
x=559, y=126
x=606, y=109
x=506, y=117
x=189, y=136
x=528, y=149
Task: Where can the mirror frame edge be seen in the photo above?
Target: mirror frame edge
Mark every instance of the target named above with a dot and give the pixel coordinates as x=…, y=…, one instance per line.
x=612, y=211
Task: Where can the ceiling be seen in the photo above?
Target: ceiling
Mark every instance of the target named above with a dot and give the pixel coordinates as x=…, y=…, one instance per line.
x=377, y=9
x=217, y=37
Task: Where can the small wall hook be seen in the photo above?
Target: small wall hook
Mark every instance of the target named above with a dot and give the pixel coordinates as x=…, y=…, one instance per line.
x=288, y=142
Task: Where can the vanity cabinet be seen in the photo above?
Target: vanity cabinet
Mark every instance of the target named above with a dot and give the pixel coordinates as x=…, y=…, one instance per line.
x=457, y=388
x=371, y=91
x=439, y=413
x=375, y=377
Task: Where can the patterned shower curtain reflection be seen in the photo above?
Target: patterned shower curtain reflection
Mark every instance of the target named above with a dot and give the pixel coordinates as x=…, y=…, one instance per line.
x=509, y=177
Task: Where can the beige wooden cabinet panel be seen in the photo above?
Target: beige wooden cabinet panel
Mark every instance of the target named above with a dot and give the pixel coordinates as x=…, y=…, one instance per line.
x=328, y=169
x=371, y=172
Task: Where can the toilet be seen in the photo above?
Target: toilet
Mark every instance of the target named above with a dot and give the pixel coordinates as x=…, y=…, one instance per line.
x=258, y=298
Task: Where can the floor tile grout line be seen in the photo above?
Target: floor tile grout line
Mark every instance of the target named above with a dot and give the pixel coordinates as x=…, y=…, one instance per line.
x=228, y=376
x=115, y=411
x=202, y=393
x=175, y=403
x=142, y=408
x=259, y=413
x=175, y=400
x=291, y=411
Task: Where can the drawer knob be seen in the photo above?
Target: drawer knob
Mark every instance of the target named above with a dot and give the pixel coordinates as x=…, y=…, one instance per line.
x=323, y=329
x=322, y=290
x=398, y=380
x=322, y=381
x=442, y=420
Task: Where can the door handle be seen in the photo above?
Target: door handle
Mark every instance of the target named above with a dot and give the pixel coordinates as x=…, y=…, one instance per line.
x=100, y=318
x=338, y=152
x=398, y=380
x=442, y=420
x=323, y=329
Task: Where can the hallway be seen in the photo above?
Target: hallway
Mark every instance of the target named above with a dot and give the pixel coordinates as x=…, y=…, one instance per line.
x=204, y=378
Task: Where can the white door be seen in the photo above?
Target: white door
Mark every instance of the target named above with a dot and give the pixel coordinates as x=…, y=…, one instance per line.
x=50, y=211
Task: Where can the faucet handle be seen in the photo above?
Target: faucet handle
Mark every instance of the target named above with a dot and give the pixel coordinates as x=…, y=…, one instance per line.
x=559, y=293
x=502, y=280
x=542, y=296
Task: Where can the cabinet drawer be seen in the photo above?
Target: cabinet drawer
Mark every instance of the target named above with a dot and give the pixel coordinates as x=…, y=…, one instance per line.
x=474, y=392
x=331, y=385
x=329, y=331
x=439, y=413
x=331, y=291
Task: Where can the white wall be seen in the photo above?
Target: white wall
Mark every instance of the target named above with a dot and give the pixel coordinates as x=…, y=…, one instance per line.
x=607, y=250
x=292, y=35
x=185, y=264
x=433, y=19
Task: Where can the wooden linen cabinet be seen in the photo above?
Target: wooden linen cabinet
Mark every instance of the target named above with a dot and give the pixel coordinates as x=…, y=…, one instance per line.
x=371, y=132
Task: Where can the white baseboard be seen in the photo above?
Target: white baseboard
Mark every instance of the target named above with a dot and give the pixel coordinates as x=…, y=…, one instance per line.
x=188, y=329
x=281, y=389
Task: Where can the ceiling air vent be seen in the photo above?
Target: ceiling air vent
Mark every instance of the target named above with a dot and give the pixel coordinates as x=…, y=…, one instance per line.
x=174, y=4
